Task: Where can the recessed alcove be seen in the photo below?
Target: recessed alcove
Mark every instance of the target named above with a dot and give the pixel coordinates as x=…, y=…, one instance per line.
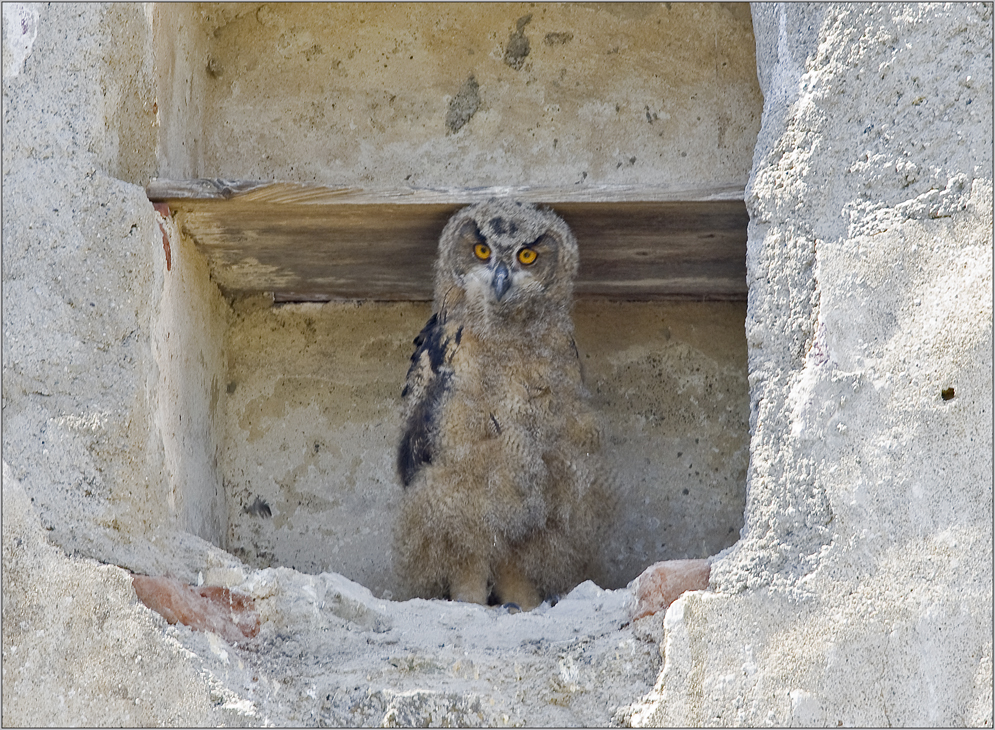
x=311, y=158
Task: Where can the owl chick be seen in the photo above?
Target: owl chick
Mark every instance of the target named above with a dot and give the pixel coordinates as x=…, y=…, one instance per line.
x=504, y=495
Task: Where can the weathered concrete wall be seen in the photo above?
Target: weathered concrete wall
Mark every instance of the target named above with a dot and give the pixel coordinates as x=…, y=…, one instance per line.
x=344, y=94
x=188, y=342
x=179, y=47
x=83, y=274
x=105, y=351
x=861, y=591
x=77, y=650
x=118, y=364
x=313, y=421
x=83, y=286
x=455, y=96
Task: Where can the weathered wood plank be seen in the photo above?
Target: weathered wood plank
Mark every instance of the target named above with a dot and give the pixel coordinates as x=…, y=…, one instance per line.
x=312, y=243
x=262, y=191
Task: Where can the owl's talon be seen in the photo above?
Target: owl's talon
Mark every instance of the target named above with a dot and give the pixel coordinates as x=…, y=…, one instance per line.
x=512, y=607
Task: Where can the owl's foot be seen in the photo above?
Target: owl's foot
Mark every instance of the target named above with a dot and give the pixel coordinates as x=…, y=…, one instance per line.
x=512, y=607
x=513, y=587
x=470, y=585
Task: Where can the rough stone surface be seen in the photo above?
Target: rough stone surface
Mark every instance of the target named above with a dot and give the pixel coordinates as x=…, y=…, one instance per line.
x=79, y=650
x=188, y=344
x=350, y=94
x=313, y=421
x=663, y=583
x=327, y=651
x=103, y=354
x=861, y=591
x=83, y=275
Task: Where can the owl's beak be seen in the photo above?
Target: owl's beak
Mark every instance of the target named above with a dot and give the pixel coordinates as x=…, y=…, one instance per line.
x=501, y=280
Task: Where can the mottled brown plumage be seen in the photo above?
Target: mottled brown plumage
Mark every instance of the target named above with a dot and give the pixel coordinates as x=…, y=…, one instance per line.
x=504, y=494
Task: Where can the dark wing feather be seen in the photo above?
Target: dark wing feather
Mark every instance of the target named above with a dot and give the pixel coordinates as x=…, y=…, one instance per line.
x=428, y=384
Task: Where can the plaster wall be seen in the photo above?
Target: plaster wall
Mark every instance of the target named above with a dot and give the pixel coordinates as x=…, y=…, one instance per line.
x=188, y=343
x=83, y=275
x=861, y=590
x=324, y=93
x=314, y=411
x=106, y=350
x=117, y=407
x=179, y=47
x=85, y=460
x=456, y=96
x=133, y=365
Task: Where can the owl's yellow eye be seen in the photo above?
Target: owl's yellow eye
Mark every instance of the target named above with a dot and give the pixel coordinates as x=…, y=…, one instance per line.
x=527, y=255
x=482, y=251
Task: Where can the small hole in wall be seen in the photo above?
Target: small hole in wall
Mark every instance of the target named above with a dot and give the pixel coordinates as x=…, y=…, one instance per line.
x=947, y=393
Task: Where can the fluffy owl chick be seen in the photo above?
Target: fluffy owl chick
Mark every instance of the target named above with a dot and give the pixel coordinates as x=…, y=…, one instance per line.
x=499, y=458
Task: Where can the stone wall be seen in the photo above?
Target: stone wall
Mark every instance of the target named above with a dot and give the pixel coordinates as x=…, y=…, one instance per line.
x=85, y=465
x=454, y=96
x=82, y=278
x=293, y=411
x=860, y=591
x=313, y=417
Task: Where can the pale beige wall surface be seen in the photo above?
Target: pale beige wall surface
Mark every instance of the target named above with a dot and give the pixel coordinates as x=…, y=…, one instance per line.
x=85, y=467
x=368, y=95
x=179, y=48
x=313, y=422
x=82, y=279
x=124, y=380
x=188, y=341
x=861, y=592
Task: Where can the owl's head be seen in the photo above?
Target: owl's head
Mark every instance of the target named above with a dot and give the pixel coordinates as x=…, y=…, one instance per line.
x=504, y=260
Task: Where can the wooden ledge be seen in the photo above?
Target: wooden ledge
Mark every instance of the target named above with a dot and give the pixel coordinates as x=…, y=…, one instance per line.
x=313, y=243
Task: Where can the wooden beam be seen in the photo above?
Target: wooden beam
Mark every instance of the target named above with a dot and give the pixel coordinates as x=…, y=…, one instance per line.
x=312, y=243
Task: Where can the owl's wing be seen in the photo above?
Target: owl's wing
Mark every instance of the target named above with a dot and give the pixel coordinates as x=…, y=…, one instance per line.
x=425, y=392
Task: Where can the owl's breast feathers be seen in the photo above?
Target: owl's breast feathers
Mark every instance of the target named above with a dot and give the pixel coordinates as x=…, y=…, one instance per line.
x=428, y=383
